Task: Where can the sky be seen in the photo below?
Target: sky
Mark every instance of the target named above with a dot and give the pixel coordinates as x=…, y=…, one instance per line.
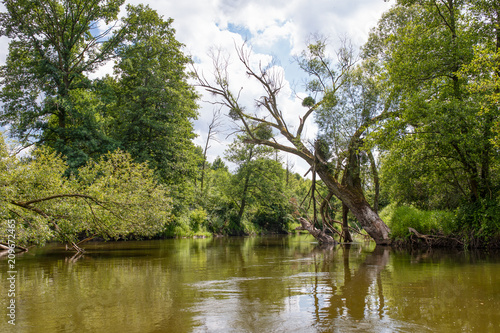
x=276, y=30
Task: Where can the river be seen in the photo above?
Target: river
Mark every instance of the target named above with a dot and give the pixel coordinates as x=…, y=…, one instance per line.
x=257, y=284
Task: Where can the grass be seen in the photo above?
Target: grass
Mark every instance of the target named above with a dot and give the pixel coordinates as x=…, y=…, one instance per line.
x=400, y=218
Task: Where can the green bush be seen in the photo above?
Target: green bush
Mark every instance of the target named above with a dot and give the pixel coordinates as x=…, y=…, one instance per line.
x=178, y=228
x=478, y=222
x=223, y=220
x=273, y=218
x=188, y=224
x=400, y=218
x=197, y=219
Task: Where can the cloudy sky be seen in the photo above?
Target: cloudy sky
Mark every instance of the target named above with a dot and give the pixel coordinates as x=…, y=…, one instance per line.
x=273, y=28
x=276, y=29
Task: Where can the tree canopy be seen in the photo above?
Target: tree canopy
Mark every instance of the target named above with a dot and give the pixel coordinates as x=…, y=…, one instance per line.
x=113, y=198
x=54, y=45
x=152, y=106
x=439, y=131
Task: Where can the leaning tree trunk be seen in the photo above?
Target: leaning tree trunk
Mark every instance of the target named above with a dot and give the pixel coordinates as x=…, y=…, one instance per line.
x=353, y=198
x=346, y=234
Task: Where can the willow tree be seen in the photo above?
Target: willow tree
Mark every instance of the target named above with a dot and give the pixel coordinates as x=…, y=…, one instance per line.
x=113, y=198
x=327, y=77
x=341, y=140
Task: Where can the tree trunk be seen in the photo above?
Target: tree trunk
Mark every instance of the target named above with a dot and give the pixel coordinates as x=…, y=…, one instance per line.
x=376, y=183
x=6, y=247
x=245, y=188
x=345, y=225
x=244, y=198
x=354, y=199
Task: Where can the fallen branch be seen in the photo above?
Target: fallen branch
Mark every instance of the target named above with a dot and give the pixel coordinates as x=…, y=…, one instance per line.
x=27, y=205
x=85, y=240
x=4, y=246
x=316, y=233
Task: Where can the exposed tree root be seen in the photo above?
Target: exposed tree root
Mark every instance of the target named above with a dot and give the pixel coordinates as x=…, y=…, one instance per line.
x=418, y=239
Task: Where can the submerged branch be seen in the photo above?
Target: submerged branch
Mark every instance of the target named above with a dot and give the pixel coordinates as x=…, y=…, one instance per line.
x=316, y=233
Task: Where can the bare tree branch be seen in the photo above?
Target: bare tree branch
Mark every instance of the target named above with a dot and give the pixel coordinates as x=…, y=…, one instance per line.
x=272, y=82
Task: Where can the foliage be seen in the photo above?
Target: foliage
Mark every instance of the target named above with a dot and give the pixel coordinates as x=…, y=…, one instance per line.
x=113, y=198
x=145, y=109
x=197, y=218
x=438, y=61
x=438, y=143
x=354, y=103
x=48, y=98
x=264, y=198
x=52, y=48
x=484, y=85
x=151, y=105
x=273, y=218
x=258, y=181
x=478, y=223
x=427, y=186
x=400, y=218
x=214, y=200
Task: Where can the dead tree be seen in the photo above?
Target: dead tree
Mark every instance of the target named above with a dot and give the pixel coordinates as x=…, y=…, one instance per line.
x=213, y=130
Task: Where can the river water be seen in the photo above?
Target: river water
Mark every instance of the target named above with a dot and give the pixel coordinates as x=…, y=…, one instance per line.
x=260, y=284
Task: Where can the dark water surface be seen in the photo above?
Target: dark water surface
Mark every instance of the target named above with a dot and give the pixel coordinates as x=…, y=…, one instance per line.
x=263, y=284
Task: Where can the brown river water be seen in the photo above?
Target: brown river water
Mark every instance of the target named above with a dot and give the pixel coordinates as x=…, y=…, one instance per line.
x=258, y=284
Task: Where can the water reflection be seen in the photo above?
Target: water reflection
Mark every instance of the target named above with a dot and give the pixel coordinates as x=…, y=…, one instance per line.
x=275, y=284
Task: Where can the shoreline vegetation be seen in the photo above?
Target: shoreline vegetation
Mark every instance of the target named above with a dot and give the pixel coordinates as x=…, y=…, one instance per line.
x=407, y=150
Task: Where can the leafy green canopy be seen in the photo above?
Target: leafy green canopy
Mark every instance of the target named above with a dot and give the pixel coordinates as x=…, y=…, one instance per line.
x=146, y=109
x=54, y=44
x=152, y=105
x=438, y=144
x=113, y=198
x=258, y=183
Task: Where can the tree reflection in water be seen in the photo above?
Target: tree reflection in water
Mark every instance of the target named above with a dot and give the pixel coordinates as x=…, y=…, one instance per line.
x=351, y=301
x=268, y=284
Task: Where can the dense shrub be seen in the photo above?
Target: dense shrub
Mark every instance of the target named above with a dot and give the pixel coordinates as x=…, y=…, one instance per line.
x=478, y=222
x=273, y=219
x=197, y=219
x=400, y=218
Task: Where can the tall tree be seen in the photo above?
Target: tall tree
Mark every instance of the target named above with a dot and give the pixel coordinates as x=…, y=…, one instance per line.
x=340, y=140
x=153, y=105
x=439, y=137
x=54, y=43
